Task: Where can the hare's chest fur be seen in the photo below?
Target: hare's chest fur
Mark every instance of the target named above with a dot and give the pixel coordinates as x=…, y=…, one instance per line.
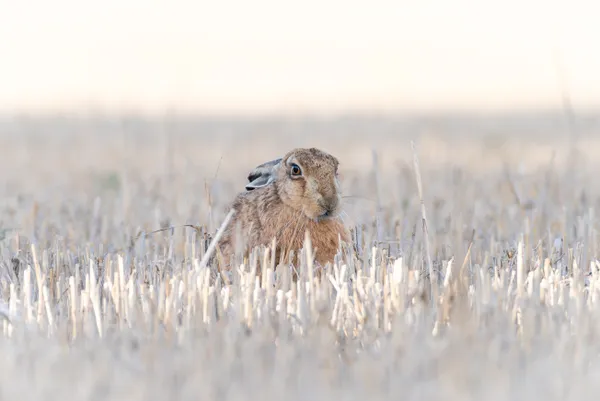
x=288, y=226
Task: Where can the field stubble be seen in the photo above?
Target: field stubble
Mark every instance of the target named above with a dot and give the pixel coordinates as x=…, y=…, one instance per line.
x=94, y=308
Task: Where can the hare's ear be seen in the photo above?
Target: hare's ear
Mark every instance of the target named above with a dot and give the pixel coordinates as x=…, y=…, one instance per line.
x=259, y=182
x=262, y=175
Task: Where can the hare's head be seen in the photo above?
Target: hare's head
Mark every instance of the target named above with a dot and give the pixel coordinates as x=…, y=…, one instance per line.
x=307, y=181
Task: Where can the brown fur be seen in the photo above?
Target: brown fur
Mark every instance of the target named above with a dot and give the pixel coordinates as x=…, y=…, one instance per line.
x=287, y=207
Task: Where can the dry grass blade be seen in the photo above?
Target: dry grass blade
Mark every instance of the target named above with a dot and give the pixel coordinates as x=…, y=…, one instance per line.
x=433, y=277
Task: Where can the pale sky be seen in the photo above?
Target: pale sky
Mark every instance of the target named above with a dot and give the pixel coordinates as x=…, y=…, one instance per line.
x=267, y=56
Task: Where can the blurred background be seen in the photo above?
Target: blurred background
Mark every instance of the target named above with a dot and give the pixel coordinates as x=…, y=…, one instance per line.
x=269, y=57
x=170, y=104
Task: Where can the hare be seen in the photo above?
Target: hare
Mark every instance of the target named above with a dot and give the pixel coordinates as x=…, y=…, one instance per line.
x=284, y=198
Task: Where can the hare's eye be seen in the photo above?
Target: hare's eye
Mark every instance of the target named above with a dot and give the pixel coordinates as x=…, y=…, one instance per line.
x=295, y=170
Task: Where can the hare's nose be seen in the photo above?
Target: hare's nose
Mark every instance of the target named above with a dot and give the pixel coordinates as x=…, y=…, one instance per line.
x=330, y=204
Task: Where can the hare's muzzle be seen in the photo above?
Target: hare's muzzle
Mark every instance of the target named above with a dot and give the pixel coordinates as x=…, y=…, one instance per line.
x=329, y=206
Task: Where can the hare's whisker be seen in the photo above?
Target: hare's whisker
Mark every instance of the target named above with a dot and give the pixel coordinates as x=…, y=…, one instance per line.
x=354, y=197
x=341, y=216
